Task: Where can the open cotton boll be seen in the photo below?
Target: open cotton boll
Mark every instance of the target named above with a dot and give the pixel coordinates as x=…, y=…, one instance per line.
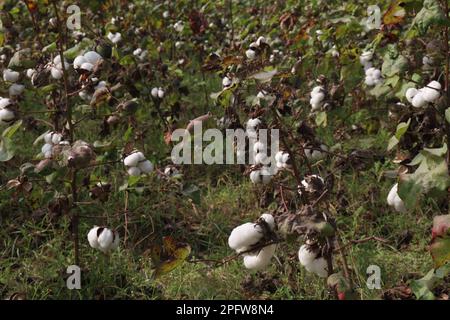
x=4, y=102
x=319, y=267
x=30, y=73
x=431, y=92
x=260, y=259
x=46, y=148
x=87, y=66
x=418, y=101
x=134, y=171
x=145, y=166
x=93, y=238
x=56, y=138
x=253, y=123
x=316, y=90
x=226, y=82
x=394, y=200
x=56, y=73
x=6, y=116
x=133, y=159
x=160, y=93
x=105, y=239
x=16, y=89
x=92, y=57
x=317, y=97
x=269, y=219
x=266, y=175
x=410, y=93
x=245, y=235
x=305, y=256
x=258, y=146
x=114, y=37
x=78, y=61
x=255, y=176
x=154, y=92
x=10, y=75
x=137, y=52
x=260, y=41
x=178, y=26
x=279, y=156
x=250, y=54
x=260, y=158
x=365, y=57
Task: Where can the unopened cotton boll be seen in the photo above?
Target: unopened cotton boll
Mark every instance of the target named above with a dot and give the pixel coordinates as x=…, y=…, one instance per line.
x=226, y=82
x=250, y=54
x=10, y=75
x=260, y=259
x=410, y=93
x=134, y=171
x=244, y=236
x=16, y=89
x=145, y=166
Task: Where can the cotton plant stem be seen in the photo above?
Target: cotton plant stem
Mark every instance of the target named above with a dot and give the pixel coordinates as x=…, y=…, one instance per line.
x=447, y=71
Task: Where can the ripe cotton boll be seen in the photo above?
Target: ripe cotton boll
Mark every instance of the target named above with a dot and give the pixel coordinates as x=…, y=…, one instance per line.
x=261, y=40
x=137, y=52
x=4, y=102
x=46, y=148
x=394, y=200
x=279, y=156
x=266, y=175
x=250, y=54
x=226, y=82
x=92, y=57
x=258, y=146
x=56, y=138
x=16, y=89
x=253, y=123
x=260, y=158
x=255, y=176
x=245, y=236
x=410, y=93
x=78, y=62
x=418, y=101
x=132, y=160
x=93, y=238
x=114, y=37
x=318, y=266
x=134, y=171
x=10, y=75
x=431, y=92
x=160, y=93
x=178, y=26
x=366, y=57
x=6, y=116
x=30, y=73
x=87, y=66
x=305, y=256
x=105, y=239
x=260, y=259
x=316, y=90
x=145, y=166
x=268, y=218
x=56, y=73
x=154, y=92
x=166, y=14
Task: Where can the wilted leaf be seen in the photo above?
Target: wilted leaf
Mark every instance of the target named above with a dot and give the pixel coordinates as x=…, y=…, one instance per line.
x=395, y=13
x=440, y=250
x=171, y=256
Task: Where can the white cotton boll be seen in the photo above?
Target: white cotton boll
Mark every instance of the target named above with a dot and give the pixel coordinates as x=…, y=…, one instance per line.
x=87, y=66
x=4, y=102
x=245, y=235
x=260, y=41
x=57, y=59
x=92, y=57
x=78, y=62
x=166, y=14
x=266, y=175
x=369, y=81
x=160, y=93
x=255, y=176
x=16, y=89
x=315, y=106
x=279, y=156
x=418, y=101
x=260, y=259
x=101, y=84
x=376, y=74
x=260, y=158
x=258, y=146
x=46, y=148
x=365, y=57
x=261, y=95
x=132, y=160
x=114, y=37
x=10, y=75
x=105, y=239
x=48, y=137
x=285, y=157
x=250, y=54
x=410, y=93
x=134, y=171
x=253, y=123
x=30, y=73
x=6, y=116
x=84, y=95
x=92, y=238
x=145, y=166
x=154, y=92
x=178, y=26
x=226, y=82
x=317, y=97
x=269, y=219
x=305, y=256
x=318, y=266
x=137, y=52
x=370, y=72
x=56, y=138
x=427, y=61
x=431, y=92
x=316, y=90
x=115, y=244
x=140, y=155
x=56, y=73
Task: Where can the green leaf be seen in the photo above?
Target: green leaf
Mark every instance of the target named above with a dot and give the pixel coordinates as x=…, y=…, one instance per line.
x=447, y=115
x=11, y=130
x=321, y=119
x=440, y=250
x=6, y=149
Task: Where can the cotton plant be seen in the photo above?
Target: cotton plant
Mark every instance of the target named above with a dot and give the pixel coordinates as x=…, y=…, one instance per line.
x=52, y=139
x=137, y=164
x=103, y=239
x=248, y=236
x=421, y=97
x=282, y=159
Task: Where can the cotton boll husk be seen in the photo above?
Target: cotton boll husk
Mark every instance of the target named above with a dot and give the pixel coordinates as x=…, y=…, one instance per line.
x=92, y=57
x=6, y=115
x=132, y=160
x=305, y=256
x=410, y=93
x=261, y=259
x=318, y=266
x=255, y=176
x=105, y=239
x=92, y=238
x=245, y=235
x=145, y=166
x=56, y=73
x=16, y=89
x=268, y=218
x=419, y=100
